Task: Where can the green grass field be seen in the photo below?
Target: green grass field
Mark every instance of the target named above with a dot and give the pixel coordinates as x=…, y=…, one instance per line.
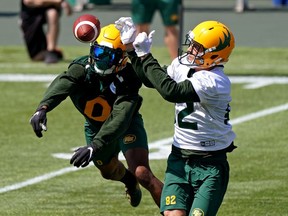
x=259, y=167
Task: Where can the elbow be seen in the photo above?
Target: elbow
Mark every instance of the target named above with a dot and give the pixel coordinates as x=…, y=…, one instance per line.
x=168, y=97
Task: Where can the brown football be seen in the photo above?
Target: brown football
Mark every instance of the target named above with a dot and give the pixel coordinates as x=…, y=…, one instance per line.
x=86, y=28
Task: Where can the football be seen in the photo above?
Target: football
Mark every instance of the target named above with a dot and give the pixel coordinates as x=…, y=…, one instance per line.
x=86, y=28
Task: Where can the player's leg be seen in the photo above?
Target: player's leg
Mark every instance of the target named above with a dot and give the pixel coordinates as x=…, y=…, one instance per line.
x=116, y=171
x=145, y=27
x=169, y=12
x=171, y=38
x=34, y=36
x=53, y=28
x=137, y=160
x=177, y=195
x=209, y=196
x=135, y=148
x=111, y=168
x=142, y=14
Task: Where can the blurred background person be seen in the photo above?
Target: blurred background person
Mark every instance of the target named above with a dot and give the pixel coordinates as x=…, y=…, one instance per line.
x=80, y=5
x=142, y=15
x=34, y=14
x=242, y=5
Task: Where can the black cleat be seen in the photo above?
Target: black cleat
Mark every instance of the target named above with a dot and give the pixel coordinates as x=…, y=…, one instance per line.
x=134, y=195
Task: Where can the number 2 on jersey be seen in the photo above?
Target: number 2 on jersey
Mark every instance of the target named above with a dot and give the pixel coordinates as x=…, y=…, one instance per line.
x=193, y=125
x=185, y=112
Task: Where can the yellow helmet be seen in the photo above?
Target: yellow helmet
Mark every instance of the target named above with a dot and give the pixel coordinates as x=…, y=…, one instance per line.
x=210, y=42
x=108, y=52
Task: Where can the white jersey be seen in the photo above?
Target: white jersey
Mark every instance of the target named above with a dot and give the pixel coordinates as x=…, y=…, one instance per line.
x=203, y=125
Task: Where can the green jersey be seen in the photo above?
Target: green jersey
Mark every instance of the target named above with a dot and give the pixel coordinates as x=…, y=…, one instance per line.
x=108, y=103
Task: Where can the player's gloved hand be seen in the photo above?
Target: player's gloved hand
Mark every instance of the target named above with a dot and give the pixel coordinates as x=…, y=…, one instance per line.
x=39, y=121
x=143, y=43
x=127, y=29
x=83, y=155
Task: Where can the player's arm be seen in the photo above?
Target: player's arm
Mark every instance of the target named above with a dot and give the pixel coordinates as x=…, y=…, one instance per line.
x=119, y=120
x=138, y=67
x=145, y=63
x=62, y=86
x=58, y=90
x=124, y=109
x=126, y=86
x=169, y=89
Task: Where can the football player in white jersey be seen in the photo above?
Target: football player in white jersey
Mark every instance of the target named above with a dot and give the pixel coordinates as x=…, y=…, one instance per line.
x=197, y=171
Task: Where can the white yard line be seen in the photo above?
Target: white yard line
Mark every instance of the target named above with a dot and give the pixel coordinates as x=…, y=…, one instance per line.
x=165, y=141
x=37, y=179
x=27, y=77
x=259, y=114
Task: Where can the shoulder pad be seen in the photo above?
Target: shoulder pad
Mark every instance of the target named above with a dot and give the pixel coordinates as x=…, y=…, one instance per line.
x=83, y=60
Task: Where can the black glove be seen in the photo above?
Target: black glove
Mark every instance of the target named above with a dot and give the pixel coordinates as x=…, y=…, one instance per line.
x=39, y=121
x=83, y=155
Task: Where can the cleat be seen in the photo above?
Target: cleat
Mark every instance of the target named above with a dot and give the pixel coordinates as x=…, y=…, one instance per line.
x=134, y=195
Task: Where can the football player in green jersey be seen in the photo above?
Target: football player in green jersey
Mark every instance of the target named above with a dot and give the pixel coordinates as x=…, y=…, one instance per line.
x=104, y=88
x=197, y=173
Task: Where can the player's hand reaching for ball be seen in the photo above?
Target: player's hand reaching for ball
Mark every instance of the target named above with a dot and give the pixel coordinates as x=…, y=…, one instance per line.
x=143, y=43
x=127, y=29
x=39, y=121
x=83, y=155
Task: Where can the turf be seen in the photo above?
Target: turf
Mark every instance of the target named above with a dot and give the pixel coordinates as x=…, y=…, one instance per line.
x=258, y=182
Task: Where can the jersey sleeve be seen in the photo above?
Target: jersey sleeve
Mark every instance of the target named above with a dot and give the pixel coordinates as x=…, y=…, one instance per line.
x=126, y=105
x=137, y=66
x=168, y=88
x=62, y=86
x=124, y=109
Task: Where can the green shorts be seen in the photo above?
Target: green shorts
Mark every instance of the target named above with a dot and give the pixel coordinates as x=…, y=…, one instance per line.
x=197, y=186
x=144, y=10
x=134, y=137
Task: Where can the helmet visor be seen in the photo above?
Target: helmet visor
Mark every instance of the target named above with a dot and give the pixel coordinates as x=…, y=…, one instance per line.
x=105, y=57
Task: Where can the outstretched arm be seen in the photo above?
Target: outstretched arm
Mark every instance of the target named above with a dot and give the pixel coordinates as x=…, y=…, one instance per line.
x=58, y=90
x=148, y=68
x=168, y=88
x=117, y=123
x=124, y=109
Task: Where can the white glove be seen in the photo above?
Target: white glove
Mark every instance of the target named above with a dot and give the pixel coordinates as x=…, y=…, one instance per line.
x=127, y=29
x=142, y=43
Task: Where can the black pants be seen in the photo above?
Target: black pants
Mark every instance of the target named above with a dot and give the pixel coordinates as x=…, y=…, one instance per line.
x=34, y=36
